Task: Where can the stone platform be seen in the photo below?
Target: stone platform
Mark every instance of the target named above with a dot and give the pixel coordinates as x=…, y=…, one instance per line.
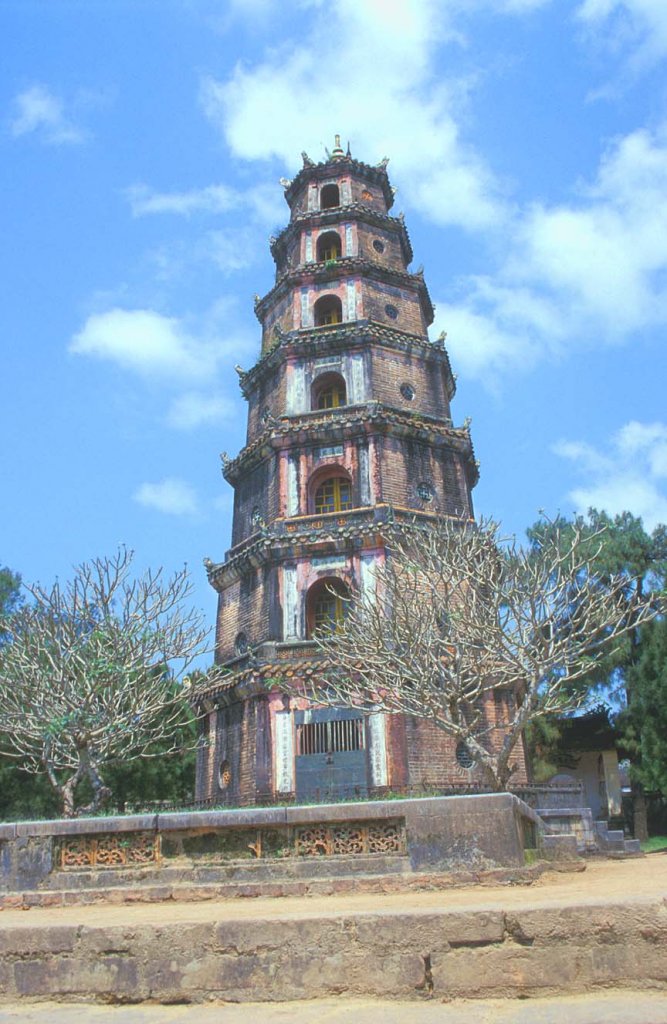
x=565, y=934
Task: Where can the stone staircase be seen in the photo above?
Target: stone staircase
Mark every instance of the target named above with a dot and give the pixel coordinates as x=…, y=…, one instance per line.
x=612, y=840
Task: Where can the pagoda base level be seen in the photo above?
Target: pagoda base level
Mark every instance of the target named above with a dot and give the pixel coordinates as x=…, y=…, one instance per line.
x=263, y=746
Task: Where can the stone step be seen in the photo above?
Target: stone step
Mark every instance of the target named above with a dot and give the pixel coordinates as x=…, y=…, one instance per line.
x=277, y=869
x=185, y=891
x=614, y=836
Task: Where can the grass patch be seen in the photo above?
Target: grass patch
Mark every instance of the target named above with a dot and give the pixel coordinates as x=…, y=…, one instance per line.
x=654, y=843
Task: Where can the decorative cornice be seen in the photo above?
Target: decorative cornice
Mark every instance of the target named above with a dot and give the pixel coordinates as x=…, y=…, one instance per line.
x=355, y=333
x=345, y=422
x=356, y=210
x=332, y=168
x=265, y=671
x=316, y=535
x=344, y=267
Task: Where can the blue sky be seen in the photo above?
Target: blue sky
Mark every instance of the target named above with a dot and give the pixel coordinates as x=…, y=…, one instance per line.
x=142, y=142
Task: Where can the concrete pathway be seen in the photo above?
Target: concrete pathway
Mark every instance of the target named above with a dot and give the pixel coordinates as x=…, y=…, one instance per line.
x=619, y=1007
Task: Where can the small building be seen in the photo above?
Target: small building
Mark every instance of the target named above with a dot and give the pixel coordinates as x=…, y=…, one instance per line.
x=349, y=429
x=587, y=754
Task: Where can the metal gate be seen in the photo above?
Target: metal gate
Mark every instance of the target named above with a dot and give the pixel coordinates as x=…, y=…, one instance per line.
x=330, y=755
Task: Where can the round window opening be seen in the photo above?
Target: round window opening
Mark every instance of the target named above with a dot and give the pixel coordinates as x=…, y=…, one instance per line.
x=408, y=392
x=391, y=311
x=378, y=245
x=463, y=756
x=425, y=491
x=224, y=775
x=367, y=196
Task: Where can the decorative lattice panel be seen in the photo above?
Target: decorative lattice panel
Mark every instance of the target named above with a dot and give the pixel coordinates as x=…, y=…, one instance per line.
x=350, y=838
x=110, y=851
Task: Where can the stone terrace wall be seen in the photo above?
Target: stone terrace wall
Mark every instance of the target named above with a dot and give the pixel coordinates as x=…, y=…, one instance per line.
x=439, y=832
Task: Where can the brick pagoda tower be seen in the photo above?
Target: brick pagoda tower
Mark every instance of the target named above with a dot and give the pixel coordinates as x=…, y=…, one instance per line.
x=349, y=428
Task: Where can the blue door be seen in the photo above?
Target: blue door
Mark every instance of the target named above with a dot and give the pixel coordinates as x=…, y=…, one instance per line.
x=330, y=755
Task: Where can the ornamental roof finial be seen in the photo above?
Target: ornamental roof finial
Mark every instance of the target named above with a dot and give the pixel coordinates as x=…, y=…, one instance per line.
x=338, y=149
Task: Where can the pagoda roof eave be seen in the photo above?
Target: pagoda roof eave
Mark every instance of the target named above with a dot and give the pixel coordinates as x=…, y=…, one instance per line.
x=328, y=533
x=328, y=168
x=361, y=211
x=333, y=425
x=358, y=332
x=342, y=267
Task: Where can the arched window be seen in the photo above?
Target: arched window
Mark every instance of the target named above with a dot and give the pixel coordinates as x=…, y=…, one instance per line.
x=333, y=495
x=328, y=391
x=328, y=247
x=326, y=606
x=328, y=310
x=329, y=197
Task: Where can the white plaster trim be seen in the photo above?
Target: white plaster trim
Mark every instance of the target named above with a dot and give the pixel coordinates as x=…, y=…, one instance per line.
x=345, y=192
x=364, y=476
x=309, y=247
x=348, y=240
x=306, y=318
x=290, y=604
x=377, y=737
x=612, y=781
x=295, y=399
x=292, y=487
x=351, y=301
x=284, y=754
x=367, y=577
x=357, y=378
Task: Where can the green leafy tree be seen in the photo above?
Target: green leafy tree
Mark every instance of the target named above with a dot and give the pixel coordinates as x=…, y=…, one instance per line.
x=619, y=547
x=10, y=597
x=645, y=722
x=92, y=675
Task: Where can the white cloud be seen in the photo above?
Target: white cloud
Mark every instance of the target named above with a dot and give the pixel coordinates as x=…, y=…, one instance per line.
x=195, y=409
x=591, y=271
x=398, y=102
x=261, y=201
x=630, y=476
x=147, y=343
x=38, y=111
x=638, y=25
x=171, y=496
x=212, y=199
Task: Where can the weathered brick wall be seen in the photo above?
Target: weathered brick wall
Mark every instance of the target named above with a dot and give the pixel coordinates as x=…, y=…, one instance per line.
x=234, y=748
x=369, y=194
x=269, y=397
x=250, y=605
x=392, y=254
x=255, y=493
x=405, y=464
x=431, y=757
x=390, y=369
x=281, y=313
x=376, y=296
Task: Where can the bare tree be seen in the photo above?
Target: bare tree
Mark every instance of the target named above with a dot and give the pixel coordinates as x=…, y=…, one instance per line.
x=476, y=634
x=93, y=673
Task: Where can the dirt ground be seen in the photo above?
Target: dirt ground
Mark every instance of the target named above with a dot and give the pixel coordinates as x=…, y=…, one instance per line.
x=603, y=881
x=620, y=1007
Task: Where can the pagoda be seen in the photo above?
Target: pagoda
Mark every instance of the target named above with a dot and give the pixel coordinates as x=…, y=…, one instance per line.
x=349, y=430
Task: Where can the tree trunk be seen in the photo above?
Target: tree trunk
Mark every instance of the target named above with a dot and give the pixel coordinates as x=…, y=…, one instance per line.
x=66, y=795
x=639, y=814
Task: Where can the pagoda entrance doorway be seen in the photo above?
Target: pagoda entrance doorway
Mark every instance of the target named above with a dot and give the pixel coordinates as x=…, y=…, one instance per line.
x=331, y=761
